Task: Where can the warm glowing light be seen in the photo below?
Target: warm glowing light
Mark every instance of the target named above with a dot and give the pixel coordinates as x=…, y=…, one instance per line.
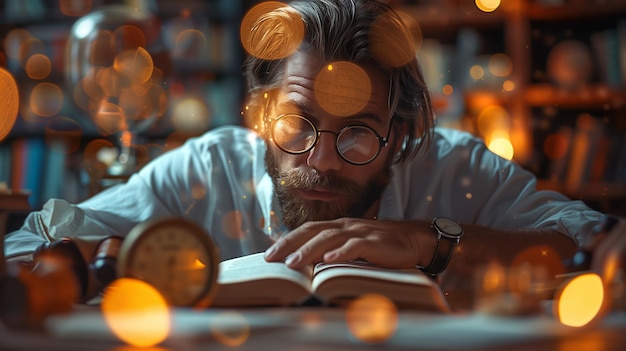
x=136, y=312
x=230, y=328
x=46, y=99
x=38, y=66
x=500, y=65
x=9, y=100
x=477, y=72
x=271, y=30
x=191, y=115
x=191, y=44
x=232, y=225
x=580, y=300
x=492, y=118
x=502, y=147
x=342, y=89
x=487, y=5
x=128, y=37
x=99, y=154
x=13, y=42
x=393, y=40
x=541, y=256
x=110, y=118
x=508, y=85
x=555, y=146
x=135, y=64
x=372, y=318
x=447, y=89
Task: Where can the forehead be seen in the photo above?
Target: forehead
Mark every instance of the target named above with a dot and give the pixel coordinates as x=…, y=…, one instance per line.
x=338, y=88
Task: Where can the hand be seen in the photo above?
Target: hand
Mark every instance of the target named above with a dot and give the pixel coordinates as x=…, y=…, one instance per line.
x=393, y=244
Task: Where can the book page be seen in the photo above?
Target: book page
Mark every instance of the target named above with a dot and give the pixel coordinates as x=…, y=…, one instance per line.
x=254, y=267
x=251, y=281
x=339, y=283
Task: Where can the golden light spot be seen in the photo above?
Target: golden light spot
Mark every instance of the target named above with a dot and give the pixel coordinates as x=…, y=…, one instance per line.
x=198, y=192
x=468, y=196
x=38, y=66
x=232, y=225
x=502, y=147
x=372, y=318
x=508, y=85
x=447, y=89
x=128, y=37
x=46, y=99
x=343, y=90
x=271, y=30
x=477, y=72
x=66, y=130
x=191, y=115
x=191, y=44
x=98, y=155
x=135, y=312
x=9, y=100
x=230, y=328
x=13, y=42
x=110, y=118
x=30, y=46
x=492, y=117
x=500, y=65
x=540, y=256
x=487, y=5
x=110, y=81
x=74, y=8
x=580, y=300
x=395, y=40
x=135, y=64
x=555, y=146
x=429, y=198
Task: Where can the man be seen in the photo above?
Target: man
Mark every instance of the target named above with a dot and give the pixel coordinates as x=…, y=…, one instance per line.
x=345, y=164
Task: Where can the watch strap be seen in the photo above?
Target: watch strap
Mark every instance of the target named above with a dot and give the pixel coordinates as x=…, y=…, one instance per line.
x=442, y=255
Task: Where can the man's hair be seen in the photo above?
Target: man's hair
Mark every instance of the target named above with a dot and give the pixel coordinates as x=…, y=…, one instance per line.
x=359, y=31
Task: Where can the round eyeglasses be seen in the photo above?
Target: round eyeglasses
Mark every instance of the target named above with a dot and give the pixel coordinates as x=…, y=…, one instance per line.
x=356, y=144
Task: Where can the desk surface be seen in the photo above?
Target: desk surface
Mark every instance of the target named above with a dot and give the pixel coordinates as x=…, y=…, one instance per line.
x=326, y=328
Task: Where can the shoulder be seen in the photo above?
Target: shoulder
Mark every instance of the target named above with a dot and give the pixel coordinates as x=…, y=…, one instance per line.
x=230, y=136
x=447, y=140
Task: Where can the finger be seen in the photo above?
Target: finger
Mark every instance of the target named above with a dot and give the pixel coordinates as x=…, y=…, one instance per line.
x=313, y=250
x=349, y=251
x=289, y=243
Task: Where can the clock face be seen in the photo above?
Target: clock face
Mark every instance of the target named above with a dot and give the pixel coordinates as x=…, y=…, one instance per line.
x=448, y=226
x=175, y=256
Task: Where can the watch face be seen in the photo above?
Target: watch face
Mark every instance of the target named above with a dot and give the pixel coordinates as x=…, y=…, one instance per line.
x=175, y=256
x=448, y=227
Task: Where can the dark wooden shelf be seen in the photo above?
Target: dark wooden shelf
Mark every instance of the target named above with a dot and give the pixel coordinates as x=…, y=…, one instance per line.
x=575, y=12
x=590, y=96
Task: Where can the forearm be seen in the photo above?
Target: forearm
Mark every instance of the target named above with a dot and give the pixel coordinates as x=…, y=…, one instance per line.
x=481, y=245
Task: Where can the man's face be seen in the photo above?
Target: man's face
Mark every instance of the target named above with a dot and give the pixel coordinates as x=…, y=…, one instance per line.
x=319, y=184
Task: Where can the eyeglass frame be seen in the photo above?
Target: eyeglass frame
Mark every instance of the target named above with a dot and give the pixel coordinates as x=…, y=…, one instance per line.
x=382, y=141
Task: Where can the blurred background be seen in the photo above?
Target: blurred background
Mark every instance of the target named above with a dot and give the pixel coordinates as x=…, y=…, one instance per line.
x=104, y=86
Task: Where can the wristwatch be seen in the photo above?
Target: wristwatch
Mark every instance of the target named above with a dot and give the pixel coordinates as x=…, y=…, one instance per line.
x=448, y=232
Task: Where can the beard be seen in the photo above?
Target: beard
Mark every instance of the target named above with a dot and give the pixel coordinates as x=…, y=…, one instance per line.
x=354, y=200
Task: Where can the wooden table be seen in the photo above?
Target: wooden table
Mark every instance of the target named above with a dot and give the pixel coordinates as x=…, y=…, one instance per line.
x=318, y=328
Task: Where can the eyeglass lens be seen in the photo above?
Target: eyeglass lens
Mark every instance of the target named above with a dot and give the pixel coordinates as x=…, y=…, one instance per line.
x=295, y=134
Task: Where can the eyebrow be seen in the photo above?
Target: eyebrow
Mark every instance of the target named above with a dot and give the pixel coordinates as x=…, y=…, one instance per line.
x=305, y=111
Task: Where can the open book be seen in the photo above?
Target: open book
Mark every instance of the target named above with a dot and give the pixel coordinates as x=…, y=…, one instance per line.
x=251, y=281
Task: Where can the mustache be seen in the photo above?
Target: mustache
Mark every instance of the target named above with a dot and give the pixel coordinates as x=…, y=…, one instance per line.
x=312, y=179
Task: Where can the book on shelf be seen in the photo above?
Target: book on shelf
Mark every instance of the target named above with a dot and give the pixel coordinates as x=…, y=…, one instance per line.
x=251, y=281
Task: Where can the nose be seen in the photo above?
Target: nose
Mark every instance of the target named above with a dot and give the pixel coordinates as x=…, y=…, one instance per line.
x=324, y=156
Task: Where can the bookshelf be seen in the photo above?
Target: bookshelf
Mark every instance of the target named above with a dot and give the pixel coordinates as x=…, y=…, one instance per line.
x=197, y=57
x=567, y=67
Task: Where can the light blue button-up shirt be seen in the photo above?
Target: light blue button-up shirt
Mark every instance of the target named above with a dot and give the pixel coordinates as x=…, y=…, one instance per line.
x=218, y=180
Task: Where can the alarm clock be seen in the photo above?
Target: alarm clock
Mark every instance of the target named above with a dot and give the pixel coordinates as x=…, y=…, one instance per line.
x=174, y=255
